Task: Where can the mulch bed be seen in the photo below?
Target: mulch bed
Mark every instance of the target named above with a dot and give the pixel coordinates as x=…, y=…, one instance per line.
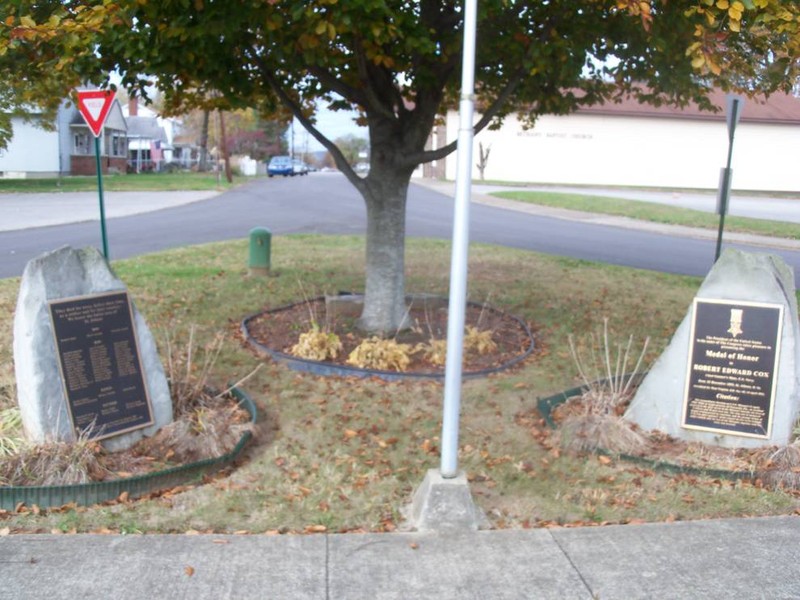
x=279, y=330
x=662, y=449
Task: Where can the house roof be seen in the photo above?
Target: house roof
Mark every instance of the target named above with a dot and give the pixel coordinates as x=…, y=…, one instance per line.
x=145, y=128
x=780, y=109
x=114, y=120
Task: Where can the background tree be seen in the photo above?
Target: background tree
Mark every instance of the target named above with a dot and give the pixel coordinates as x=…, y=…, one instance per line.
x=247, y=132
x=352, y=147
x=397, y=63
x=483, y=158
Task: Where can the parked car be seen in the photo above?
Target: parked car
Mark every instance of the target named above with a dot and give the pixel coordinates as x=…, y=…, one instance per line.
x=280, y=165
x=299, y=167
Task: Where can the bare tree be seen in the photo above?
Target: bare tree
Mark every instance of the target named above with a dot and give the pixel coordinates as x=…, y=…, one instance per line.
x=483, y=158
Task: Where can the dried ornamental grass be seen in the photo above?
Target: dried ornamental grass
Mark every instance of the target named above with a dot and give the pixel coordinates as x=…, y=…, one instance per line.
x=781, y=467
x=595, y=422
x=54, y=463
x=592, y=432
x=603, y=369
x=11, y=437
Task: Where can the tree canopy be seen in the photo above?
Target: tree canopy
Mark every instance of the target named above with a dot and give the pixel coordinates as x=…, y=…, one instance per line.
x=397, y=62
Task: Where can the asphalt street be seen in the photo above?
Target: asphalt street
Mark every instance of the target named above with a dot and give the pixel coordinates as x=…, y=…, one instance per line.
x=327, y=203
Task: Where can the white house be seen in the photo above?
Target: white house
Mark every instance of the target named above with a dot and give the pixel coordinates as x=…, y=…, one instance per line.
x=67, y=148
x=633, y=144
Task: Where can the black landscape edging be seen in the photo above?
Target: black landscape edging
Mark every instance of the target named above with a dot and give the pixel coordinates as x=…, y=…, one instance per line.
x=329, y=369
x=548, y=404
x=85, y=494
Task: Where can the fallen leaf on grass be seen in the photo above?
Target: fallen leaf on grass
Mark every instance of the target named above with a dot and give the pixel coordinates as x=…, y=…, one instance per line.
x=316, y=529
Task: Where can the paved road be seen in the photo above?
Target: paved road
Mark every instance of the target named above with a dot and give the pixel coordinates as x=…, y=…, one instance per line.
x=327, y=203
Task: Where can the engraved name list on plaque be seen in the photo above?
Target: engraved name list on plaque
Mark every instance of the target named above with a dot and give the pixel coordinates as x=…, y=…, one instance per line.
x=100, y=365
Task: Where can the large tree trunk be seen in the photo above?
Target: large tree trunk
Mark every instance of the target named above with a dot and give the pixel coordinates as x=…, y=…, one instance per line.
x=384, y=296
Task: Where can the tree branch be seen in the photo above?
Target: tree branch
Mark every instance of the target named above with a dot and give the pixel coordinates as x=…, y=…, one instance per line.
x=372, y=102
x=486, y=118
x=294, y=108
x=347, y=92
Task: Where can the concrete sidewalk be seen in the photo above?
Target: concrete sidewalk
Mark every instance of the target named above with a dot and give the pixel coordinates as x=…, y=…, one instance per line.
x=739, y=558
x=25, y=211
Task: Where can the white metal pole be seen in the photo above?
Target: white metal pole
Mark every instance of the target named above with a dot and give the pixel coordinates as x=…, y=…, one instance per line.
x=458, y=261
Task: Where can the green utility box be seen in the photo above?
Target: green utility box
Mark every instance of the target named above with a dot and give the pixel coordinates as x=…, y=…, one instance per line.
x=260, y=251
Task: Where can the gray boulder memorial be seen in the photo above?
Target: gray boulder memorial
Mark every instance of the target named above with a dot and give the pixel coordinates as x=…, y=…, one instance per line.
x=729, y=376
x=84, y=359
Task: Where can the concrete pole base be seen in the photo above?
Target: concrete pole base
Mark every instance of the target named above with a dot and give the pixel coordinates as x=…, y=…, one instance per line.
x=444, y=505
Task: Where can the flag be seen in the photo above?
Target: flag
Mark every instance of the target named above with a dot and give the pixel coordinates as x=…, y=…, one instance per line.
x=155, y=151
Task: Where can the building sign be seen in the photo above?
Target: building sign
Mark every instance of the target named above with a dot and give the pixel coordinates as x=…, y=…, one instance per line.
x=733, y=358
x=101, y=371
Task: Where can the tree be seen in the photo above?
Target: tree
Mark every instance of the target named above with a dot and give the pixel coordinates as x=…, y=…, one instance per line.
x=483, y=158
x=352, y=147
x=397, y=62
x=246, y=132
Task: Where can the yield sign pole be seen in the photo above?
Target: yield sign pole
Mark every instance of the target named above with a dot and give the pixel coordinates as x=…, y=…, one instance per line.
x=458, y=263
x=95, y=105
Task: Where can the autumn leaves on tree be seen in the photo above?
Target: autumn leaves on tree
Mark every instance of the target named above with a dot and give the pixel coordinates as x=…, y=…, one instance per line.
x=397, y=64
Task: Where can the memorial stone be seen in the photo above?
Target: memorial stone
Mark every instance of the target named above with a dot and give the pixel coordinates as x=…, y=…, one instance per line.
x=40, y=356
x=729, y=376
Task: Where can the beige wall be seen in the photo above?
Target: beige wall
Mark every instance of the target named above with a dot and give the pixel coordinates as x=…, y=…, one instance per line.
x=610, y=150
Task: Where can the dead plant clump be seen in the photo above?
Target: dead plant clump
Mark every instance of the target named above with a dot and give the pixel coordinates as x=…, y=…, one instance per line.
x=206, y=424
x=780, y=467
x=594, y=421
x=592, y=432
x=54, y=463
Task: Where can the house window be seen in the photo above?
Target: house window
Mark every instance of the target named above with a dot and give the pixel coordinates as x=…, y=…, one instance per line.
x=81, y=144
x=118, y=145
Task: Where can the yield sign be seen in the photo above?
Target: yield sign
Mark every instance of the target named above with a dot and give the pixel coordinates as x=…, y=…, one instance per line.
x=94, y=106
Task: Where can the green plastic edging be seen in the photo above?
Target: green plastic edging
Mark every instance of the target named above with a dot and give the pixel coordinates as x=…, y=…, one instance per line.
x=548, y=404
x=84, y=494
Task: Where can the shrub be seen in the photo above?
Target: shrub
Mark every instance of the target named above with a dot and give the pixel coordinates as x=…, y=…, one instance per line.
x=478, y=341
x=317, y=345
x=381, y=354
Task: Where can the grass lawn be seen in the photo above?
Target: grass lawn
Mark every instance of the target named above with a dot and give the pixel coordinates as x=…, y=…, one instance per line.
x=346, y=455
x=121, y=183
x=651, y=211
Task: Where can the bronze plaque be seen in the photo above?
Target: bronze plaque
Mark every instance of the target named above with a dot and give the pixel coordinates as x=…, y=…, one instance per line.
x=733, y=359
x=100, y=367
